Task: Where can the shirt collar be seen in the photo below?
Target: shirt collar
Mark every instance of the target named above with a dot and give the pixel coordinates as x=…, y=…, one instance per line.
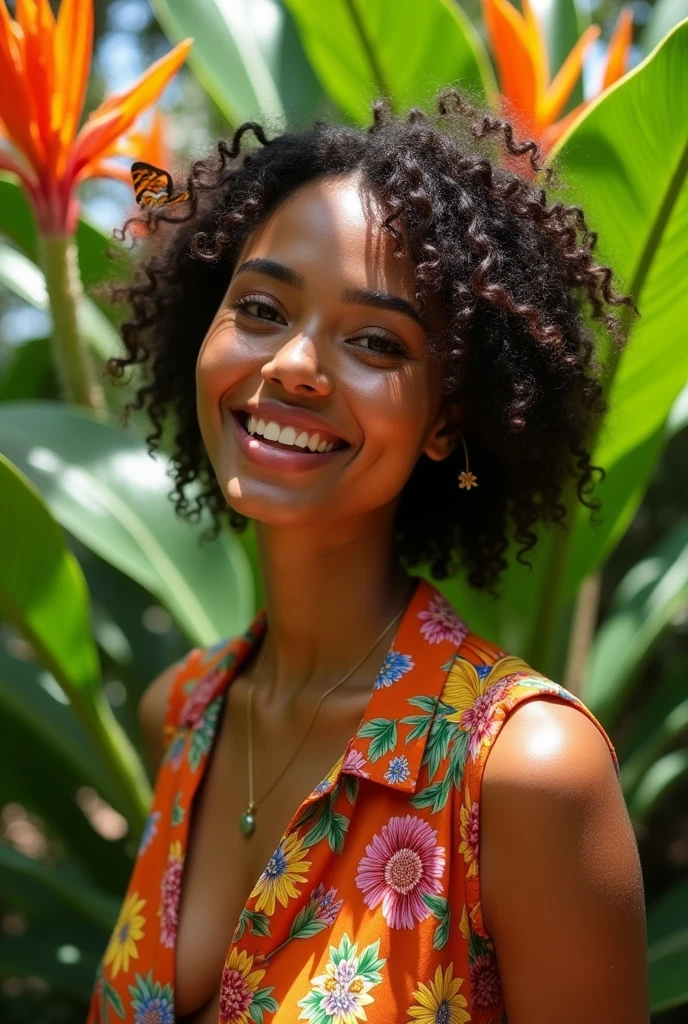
x=389, y=744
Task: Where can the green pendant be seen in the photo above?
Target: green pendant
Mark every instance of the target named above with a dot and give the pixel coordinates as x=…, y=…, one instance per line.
x=247, y=821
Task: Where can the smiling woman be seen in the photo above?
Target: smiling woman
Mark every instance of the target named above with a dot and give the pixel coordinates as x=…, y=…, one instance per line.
x=338, y=319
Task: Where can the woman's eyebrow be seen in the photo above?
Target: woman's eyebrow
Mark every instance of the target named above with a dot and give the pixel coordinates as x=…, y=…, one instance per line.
x=357, y=296
x=382, y=300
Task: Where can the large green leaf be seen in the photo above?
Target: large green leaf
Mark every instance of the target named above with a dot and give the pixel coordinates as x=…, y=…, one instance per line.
x=250, y=60
x=40, y=886
x=361, y=49
x=42, y=590
x=43, y=594
x=25, y=280
x=64, y=953
x=665, y=776
x=102, y=485
x=662, y=719
x=627, y=164
x=28, y=372
x=18, y=224
x=661, y=19
x=47, y=785
x=667, y=932
x=31, y=695
x=647, y=599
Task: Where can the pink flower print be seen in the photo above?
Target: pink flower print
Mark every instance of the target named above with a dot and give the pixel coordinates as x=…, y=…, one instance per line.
x=402, y=865
x=198, y=699
x=440, y=622
x=328, y=904
x=353, y=763
x=171, y=890
x=481, y=720
x=486, y=989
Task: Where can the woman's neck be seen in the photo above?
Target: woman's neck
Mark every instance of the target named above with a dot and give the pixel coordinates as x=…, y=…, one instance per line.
x=328, y=594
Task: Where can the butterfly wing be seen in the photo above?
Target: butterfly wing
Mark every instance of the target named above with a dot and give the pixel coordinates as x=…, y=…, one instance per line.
x=153, y=186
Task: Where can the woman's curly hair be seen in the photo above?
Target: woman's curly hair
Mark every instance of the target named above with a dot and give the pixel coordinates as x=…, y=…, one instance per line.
x=513, y=272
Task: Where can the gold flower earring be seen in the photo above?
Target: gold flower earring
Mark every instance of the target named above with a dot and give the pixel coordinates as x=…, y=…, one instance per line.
x=466, y=478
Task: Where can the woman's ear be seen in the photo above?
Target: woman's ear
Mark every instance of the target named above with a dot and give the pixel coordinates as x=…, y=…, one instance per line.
x=444, y=435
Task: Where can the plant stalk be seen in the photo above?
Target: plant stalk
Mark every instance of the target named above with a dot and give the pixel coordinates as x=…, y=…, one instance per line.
x=75, y=371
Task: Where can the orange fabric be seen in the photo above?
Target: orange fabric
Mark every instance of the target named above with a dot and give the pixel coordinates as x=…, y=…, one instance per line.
x=369, y=909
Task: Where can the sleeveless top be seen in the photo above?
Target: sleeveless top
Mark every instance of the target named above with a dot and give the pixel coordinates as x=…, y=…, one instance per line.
x=369, y=908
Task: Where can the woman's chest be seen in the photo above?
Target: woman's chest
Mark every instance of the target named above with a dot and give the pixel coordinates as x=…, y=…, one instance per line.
x=223, y=866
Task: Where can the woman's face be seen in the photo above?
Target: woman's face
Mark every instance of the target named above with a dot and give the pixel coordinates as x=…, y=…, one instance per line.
x=318, y=345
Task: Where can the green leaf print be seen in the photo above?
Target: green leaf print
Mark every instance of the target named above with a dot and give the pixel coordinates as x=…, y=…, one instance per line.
x=457, y=757
x=441, y=910
x=262, y=1002
x=258, y=924
x=437, y=747
x=427, y=704
x=203, y=732
x=331, y=825
x=383, y=733
x=370, y=964
x=434, y=796
x=351, y=784
x=420, y=723
x=108, y=994
x=307, y=923
x=178, y=811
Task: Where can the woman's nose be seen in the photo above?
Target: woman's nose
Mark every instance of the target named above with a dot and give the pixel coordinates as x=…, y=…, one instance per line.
x=296, y=365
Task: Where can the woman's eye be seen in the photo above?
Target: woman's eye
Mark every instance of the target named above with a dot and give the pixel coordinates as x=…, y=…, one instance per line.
x=379, y=344
x=258, y=310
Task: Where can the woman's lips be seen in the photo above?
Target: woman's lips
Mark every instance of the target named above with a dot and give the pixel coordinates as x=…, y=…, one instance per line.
x=275, y=456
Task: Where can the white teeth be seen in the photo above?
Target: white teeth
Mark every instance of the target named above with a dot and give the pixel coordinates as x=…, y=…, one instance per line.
x=287, y=435
x=272, y=431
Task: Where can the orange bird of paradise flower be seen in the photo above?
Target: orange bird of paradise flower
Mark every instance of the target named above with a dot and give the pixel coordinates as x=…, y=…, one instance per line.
x=45, y=63
x=520, y=53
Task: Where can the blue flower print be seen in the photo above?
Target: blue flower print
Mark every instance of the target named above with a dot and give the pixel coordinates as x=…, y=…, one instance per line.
x=151, y=1001
x=150, y=830
x=398, y=770
x=393, y=668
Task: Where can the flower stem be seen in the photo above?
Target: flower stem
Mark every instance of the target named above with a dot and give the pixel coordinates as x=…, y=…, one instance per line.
x=75, y=371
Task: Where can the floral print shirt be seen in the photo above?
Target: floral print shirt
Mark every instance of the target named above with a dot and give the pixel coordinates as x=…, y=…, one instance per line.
x=369, y=908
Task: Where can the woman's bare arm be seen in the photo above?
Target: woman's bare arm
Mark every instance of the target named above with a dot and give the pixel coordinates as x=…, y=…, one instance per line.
x=561, y=886
x=151, y=714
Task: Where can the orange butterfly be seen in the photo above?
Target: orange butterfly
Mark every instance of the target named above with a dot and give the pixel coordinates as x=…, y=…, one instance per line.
x=153, y=186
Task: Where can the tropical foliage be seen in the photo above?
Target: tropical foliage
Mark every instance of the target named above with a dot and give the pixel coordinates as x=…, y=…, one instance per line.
x=101, y=586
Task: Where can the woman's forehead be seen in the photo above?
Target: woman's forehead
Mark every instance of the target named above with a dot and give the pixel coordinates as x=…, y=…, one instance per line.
x=332, y=227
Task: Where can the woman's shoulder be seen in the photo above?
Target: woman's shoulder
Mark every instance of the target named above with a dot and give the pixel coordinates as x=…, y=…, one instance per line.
x=487, y=689
x=180, y=694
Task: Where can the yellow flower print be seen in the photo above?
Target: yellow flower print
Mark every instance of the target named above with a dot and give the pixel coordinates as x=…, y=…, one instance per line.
x=238, y=987
x=475, y=696
x=441, y=1000
x=470, y=833
x=128, y=931
x=284, y=868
